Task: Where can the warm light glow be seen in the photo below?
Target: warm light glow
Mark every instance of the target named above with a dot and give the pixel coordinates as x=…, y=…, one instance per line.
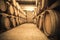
x=29, y=8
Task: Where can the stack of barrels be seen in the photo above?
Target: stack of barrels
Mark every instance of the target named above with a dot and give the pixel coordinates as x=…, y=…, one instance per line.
x=10, y=15
x=49, y=20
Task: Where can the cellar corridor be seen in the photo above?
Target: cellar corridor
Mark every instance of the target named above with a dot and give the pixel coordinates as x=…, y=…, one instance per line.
x=29, y=20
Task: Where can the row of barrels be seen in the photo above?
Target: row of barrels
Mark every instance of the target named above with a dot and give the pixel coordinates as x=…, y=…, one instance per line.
x=49, y=23
x=49, y=18
x=8, y=22
x=11, y=15
x=46, y=4
x=11, y=7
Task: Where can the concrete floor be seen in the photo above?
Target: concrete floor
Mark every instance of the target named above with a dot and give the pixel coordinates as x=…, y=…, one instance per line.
x=24, y=32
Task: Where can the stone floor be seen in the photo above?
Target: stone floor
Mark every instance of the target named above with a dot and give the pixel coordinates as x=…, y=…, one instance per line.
x=24, y=32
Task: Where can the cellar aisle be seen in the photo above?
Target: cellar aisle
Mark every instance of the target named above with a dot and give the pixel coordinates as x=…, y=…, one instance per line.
x=28, y=31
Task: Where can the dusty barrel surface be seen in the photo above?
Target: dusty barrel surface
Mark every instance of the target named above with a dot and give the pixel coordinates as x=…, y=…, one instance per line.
x=40, y=22
x=22, y=20
x=10, y=9
x=17, y=20
x=42, y=4
x=13, y=2
x=4, y=23
x=15, y=12
x=13, y=22
x=26, y=31
x=17, y=6
x=3, y=6
x=51, y=23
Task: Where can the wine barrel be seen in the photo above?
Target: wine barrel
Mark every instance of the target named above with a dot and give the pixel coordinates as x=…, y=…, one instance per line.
x=13, y=22
x=3, y=6
x=14, y=2
x=40, y=21
x=51, y=23
x=16, y=12
x=4, y=23
x=17, y=5
x=17, y=21
x=42, y=4
x=10, y=9
x=19, y=14
x=21, y=20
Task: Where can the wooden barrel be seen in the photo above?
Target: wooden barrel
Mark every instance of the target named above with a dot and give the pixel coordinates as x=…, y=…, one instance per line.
x=17, y=5
x=10, y=9
x=21, y=15
x=4, y=23
x=3, y=6
x=40, y=21
x=13, y=22
x=18, y=13
x=42, y=4
x=15, y=12
x=14, y=2
x=51, y=23
x=21, y=20
x=17, y=21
